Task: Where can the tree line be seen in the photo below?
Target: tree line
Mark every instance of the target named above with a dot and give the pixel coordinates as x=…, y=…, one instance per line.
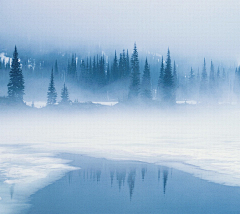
x=96, y=73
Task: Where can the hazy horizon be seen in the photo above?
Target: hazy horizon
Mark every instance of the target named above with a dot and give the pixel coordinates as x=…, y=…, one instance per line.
x=189, y=28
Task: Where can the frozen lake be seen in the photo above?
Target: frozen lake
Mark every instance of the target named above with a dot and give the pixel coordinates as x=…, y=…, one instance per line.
x=202, y=142
x=103, y=186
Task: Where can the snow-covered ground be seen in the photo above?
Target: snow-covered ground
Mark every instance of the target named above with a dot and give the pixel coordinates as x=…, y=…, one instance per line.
x=205, y=143
x=40, y=104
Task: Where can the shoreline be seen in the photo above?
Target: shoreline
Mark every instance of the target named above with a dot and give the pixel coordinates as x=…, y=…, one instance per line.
x=166, y=179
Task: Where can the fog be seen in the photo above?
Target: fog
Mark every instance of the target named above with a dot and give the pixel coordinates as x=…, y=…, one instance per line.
x=201, y=139
x=190, y=28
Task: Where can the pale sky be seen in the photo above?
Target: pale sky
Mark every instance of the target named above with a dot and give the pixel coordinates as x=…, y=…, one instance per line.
x=188, y=27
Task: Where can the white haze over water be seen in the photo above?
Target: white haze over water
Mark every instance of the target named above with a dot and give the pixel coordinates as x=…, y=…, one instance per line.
x=207, y=28
x=205, y=143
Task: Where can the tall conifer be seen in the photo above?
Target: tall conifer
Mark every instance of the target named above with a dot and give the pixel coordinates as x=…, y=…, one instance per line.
x=146, y=83
x=64, y=95
x=160, y=82
x=16, y=81
x=203, y=84
x=168, y=82
x=114, y=70
x=134, y=88
x=52, y=94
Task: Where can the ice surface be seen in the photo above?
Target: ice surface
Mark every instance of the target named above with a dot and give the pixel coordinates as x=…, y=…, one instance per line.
x=205, y=143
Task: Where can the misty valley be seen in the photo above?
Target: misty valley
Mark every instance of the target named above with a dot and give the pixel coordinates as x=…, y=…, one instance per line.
x=109, y=133
x=125, y=106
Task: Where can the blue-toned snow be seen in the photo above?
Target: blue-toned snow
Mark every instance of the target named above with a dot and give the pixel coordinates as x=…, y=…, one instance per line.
x=205, y=143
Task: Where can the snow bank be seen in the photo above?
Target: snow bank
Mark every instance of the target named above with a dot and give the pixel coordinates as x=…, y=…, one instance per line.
x=203, y=143
x=23, y=173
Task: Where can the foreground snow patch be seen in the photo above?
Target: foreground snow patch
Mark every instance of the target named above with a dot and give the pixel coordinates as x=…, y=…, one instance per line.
x=22, y=174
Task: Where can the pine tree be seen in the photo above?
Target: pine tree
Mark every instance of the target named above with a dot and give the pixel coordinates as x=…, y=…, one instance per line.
x=124, y=64
x=191, y=76
x=168, y=82
x=146, y=83
x=72, y=67
x=134, y=88
x=51, y=94
x=127, y=65
x=175, y=80
x=191, y=83
x=212, y=86
x=211, y=78
x=160, y=82
x=218, y=77
x=108, y=75
x=101, y=75
x=83, y=74
x=64, y=95
x=94, y=73
x=237, y=83
x=121, y=67
x=90, y=74
x=56, y=68
x=218, y=85
x=203, y=84
x=16, y=81
x=114, y=70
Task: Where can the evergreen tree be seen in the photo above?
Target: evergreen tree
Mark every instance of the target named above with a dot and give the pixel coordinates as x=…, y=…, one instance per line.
x=134, y=88
x=127, y=65
x=191, y=76
x=114, y=71
x=83, y=74
x=121, y=67
x=94, y=73
x=218, y=85
x=211, y=77
x=191, y=83
x=16, y=81
x=212, y=86
x=124, y=64
x=175, y=80
x=108, y=75
x=56, y=68
x=160, y=82
x=203, y=84
x=146, y=83
x=237, y=83
x=175, y=74
x=218, y=78
x=101, y=75
x=51, y=94
x=168, y=82
x=72, y=67
x=198, y=76
x=90, y=74
x=65, y=95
